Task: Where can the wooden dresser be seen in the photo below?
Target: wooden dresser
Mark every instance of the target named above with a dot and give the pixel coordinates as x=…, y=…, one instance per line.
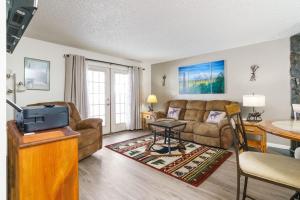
x=42, y=166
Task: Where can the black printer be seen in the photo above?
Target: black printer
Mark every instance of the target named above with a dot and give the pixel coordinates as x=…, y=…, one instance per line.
x=38, y=118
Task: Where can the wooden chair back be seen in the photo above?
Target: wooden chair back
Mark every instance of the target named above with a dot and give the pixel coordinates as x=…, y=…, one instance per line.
x=235, y=121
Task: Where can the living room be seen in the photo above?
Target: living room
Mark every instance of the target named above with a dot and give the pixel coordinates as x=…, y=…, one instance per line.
x=150, y=100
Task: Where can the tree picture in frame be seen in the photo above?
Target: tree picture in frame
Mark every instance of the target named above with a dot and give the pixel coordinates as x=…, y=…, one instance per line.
x=37, y=74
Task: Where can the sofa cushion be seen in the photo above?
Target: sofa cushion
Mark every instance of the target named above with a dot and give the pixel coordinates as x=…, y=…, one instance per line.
x=191, y=115
x=206, y=129
x=210, y=141
x=215, y=105
x=195, y=110
x=173, y=113
x=218, y=105
x=178, y=104
x=215, y=116
x=189, y=126
x=187, y=136
x=196, y=105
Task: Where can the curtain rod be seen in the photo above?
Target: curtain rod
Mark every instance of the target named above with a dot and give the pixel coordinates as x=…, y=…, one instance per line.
x=67, y=55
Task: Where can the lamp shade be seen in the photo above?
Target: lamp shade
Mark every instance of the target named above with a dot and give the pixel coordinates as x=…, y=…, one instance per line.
x=254, y=100
x=151, y=99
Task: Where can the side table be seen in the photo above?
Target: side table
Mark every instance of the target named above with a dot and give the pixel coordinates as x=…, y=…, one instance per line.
x=259, y=141
x=145, y=119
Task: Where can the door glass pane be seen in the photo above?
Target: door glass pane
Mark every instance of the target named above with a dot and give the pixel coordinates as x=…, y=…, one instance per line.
x=121, y=95
x=96, y=94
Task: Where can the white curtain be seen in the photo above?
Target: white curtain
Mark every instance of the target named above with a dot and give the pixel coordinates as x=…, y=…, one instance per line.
x=75, y=83
x=135, y=79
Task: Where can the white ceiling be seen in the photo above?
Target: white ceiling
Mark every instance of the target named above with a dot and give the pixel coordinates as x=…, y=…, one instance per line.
x=161, y=30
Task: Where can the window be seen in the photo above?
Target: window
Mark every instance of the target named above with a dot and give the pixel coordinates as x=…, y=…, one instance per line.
x=121, y=96
x=96, y=94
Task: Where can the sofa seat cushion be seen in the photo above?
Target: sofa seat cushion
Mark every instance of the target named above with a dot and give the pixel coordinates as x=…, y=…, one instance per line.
x=277, y=168
x=189, y=126
x=206, y=129
x=209, y=141
x=87, y=137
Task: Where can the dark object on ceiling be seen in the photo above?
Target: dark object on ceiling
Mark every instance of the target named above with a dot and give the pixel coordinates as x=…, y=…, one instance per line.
x=18, y=15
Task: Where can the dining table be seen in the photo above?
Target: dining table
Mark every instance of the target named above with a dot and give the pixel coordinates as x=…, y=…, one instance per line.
x=289, y=129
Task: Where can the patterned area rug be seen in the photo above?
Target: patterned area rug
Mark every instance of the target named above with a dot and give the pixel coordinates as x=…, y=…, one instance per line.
x=192, y=166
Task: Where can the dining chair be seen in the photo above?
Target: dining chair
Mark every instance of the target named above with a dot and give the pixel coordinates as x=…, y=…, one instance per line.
x=296, y=110
x=274, y=169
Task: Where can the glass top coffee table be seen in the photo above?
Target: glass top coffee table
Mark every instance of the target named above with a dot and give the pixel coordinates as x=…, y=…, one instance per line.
x=171, y=128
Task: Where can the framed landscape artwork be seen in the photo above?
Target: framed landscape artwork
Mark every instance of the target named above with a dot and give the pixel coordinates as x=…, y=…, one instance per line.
x=204, y=78
x=37, y=74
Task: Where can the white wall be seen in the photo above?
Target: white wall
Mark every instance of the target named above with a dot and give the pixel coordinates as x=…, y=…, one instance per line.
x=272, y=77
x=3, y=144
x=38, y=49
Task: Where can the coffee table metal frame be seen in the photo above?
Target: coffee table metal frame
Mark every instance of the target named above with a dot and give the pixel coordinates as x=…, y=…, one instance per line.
x=169, y=133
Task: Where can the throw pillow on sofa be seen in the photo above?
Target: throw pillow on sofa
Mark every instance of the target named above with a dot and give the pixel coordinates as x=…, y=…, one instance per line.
x=173, y=113
x=215, y=117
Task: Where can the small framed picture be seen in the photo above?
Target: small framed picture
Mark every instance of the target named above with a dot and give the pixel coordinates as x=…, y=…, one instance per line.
x=37, y=74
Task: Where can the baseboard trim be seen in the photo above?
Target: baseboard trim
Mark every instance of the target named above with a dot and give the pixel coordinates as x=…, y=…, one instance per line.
x=279, y=146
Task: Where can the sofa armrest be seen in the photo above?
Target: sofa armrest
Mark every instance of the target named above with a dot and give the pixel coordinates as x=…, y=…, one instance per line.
x=89, y=123
x=223, y=124
x=159, y=114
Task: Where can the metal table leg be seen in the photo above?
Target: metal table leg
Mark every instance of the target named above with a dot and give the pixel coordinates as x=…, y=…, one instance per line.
x=169, y=140
x=296, y=196
x=154, y=140
x=180, y=142
x=165, y=141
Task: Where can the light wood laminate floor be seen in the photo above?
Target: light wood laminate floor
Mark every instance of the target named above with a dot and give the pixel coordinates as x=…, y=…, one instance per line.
x=107, y=175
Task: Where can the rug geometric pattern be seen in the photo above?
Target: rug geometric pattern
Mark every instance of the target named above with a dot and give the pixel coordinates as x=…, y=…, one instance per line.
x=194, y=166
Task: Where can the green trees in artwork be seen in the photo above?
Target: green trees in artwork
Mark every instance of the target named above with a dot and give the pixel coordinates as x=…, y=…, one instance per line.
x=218, y=84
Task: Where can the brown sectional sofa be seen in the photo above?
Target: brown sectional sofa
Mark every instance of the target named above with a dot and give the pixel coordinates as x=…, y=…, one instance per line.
x=195, y=113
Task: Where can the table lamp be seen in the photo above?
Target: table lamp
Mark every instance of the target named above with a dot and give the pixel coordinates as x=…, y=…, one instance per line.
x=151, y=100
x=254, y=101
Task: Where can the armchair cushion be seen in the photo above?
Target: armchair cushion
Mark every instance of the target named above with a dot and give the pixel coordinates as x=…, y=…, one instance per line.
x=276, y=168
x=89, y=123
x=87, y=137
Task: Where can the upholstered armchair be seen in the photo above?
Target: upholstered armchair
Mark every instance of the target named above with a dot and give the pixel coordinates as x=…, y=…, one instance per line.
x=90, y=139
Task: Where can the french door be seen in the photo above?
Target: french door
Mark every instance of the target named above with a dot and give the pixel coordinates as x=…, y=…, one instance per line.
x=108, y=95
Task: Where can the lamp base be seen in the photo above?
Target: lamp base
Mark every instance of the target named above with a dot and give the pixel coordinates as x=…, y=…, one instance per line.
x=150, y=108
